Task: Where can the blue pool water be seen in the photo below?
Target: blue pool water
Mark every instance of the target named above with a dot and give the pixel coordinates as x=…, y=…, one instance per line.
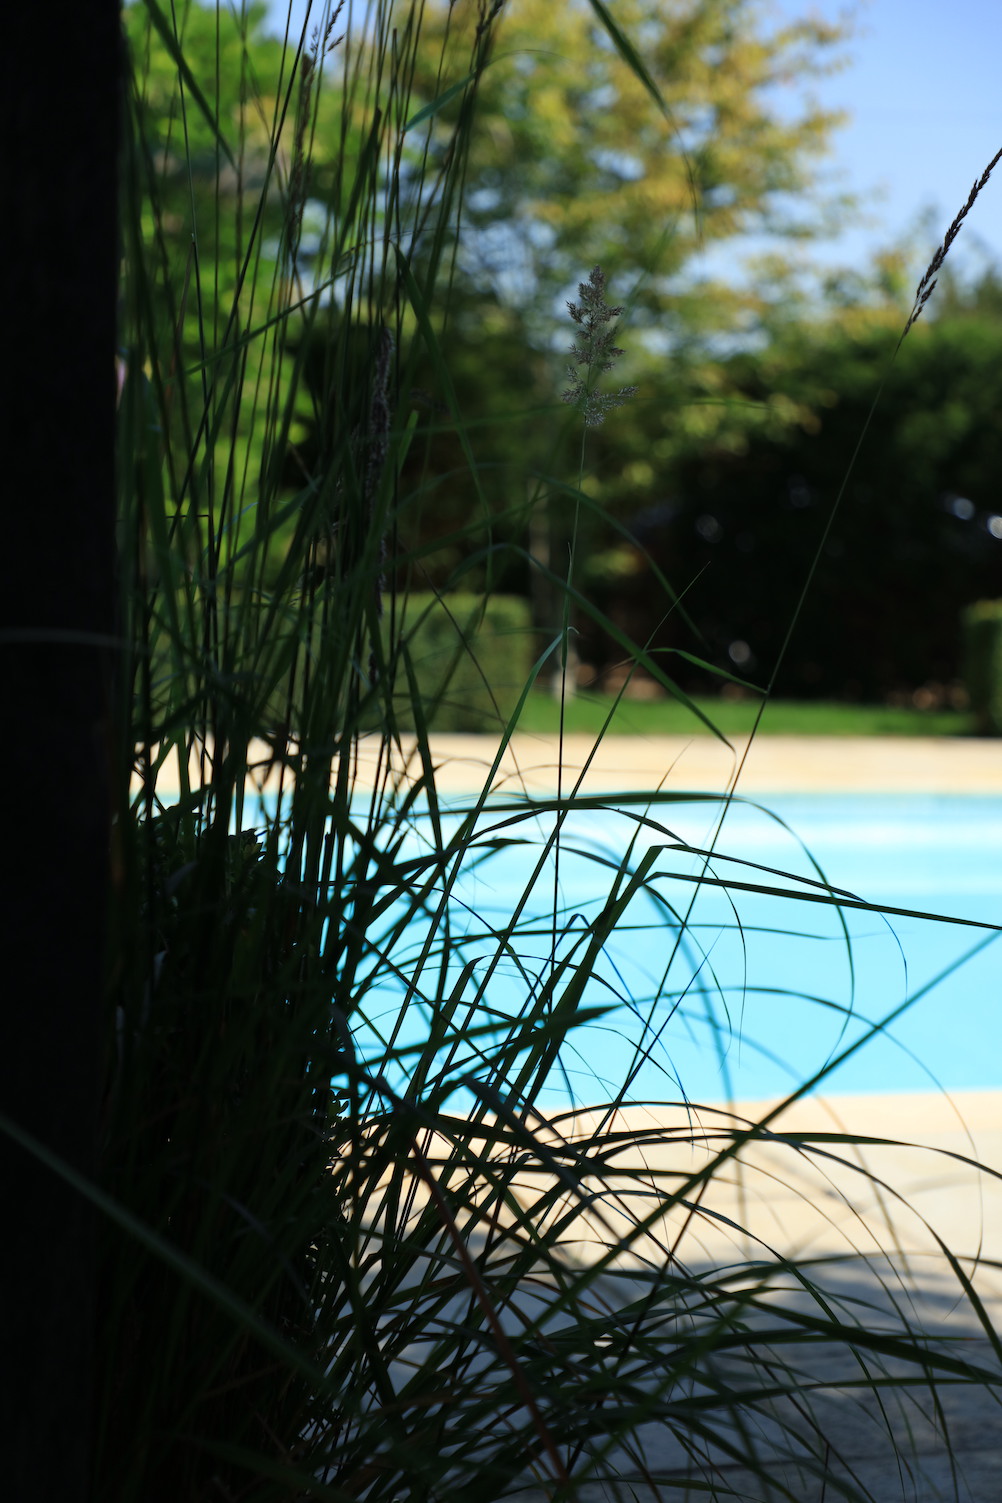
x=715, y=990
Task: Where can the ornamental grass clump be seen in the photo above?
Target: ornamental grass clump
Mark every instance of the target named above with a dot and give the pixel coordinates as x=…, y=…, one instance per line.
x=351, y=1247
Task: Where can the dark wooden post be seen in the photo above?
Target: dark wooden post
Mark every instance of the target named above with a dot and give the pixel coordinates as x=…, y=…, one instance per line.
x=58, y=207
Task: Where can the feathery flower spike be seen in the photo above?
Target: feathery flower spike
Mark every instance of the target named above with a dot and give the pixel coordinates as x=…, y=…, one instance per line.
x=593, y=353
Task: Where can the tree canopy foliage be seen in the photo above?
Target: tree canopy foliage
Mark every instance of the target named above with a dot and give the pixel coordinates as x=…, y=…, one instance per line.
x=916, y=531
x=637, y=155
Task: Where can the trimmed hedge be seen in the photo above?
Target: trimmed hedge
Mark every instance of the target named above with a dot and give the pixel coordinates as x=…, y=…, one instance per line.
x=472, y=656
x=983, y=663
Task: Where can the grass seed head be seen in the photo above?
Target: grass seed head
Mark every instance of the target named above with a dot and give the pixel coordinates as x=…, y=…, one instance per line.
x=593, y=352
x=926, y=286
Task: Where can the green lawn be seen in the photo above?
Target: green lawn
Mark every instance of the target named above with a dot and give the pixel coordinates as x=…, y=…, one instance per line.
x=587, y=713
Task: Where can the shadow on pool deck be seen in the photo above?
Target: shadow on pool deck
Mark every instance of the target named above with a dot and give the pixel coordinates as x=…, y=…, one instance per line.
x=919, y=1444
x=814, y=1413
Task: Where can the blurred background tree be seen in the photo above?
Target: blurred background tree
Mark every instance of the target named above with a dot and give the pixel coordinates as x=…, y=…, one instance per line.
x=228, y=117
x=918, y=532
x=572, y=167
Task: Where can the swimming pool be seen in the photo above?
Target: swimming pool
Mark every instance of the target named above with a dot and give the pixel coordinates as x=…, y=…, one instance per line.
x=712, y=990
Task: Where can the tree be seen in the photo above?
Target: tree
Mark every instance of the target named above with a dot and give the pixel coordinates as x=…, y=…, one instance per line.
x=917, y=532
x=574, y=163
x=238, y=132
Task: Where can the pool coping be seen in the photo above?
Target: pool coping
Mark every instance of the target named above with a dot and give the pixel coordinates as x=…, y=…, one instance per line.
x=772, y=764
x=534, y=764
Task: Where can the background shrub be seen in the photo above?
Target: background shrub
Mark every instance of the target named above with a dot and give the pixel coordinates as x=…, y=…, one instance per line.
x=983, y=663
x=471, y=657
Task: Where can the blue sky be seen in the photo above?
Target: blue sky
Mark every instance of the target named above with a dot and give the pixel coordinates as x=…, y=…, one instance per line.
x=922, y=88
x=923, y=92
